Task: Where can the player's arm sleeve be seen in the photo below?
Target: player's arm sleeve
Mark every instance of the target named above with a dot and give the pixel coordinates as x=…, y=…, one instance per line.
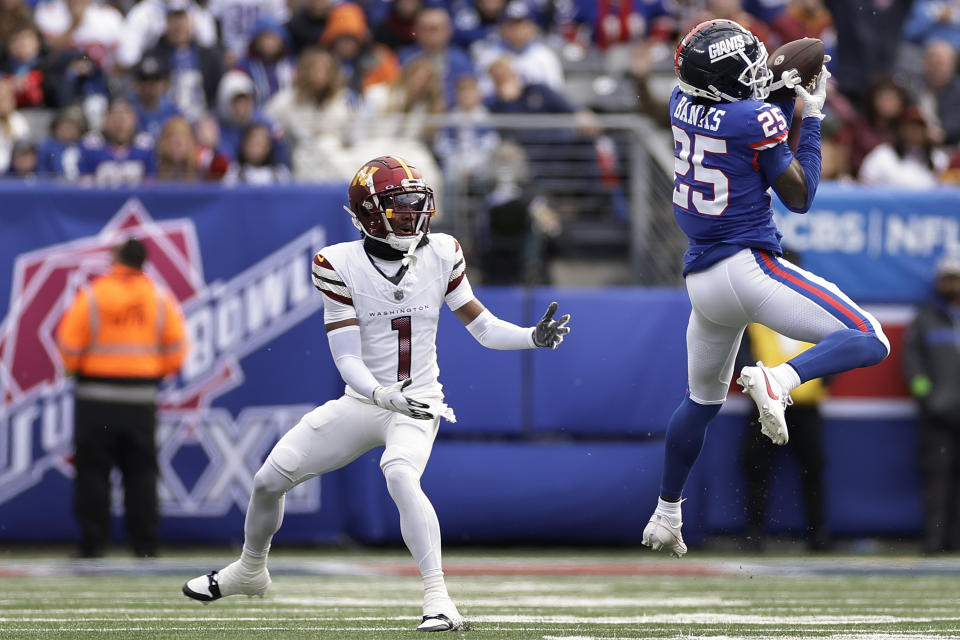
x=808, y=154
x=459, y=292
x=773, y=156
x=346, y=349
x=173, y=340
x=73, y=334
x=494, y=333
x=337, y=299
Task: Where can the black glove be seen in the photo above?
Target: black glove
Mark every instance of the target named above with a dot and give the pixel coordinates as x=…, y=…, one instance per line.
x=550, y=332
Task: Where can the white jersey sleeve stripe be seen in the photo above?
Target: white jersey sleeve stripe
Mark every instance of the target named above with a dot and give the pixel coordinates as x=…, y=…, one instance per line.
x=326, y=279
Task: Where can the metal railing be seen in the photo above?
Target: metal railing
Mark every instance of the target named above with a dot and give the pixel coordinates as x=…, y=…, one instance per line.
x=607, y=179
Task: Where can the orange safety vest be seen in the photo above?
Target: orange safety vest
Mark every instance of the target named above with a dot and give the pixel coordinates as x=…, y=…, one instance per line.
x=123, y=326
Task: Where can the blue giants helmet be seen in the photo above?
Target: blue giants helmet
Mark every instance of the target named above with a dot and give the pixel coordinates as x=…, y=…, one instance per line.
x=720, y=60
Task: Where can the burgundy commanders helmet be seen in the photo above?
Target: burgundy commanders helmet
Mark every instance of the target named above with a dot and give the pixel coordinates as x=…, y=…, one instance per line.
x=391, y=203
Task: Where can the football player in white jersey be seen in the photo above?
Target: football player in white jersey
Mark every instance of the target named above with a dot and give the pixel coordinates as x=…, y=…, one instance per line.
x=382, y=299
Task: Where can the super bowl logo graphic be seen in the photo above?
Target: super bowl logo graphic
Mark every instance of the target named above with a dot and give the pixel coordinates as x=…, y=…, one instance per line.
x=226, y=321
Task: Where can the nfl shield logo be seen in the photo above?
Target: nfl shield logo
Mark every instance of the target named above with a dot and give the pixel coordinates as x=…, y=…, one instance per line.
x=398, y=295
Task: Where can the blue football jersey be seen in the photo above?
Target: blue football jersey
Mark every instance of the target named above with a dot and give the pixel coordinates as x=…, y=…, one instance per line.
x=111, y=165
x=726, y=157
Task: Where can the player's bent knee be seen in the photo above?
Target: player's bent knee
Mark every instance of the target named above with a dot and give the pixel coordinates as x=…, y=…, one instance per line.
x=400, y=473
x=875, y=348
x=273, y=478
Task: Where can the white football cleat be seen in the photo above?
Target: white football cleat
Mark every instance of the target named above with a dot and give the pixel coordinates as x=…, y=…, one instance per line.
x=441, y=615
x=230, y=581
x=660, y=535
x=758, y=382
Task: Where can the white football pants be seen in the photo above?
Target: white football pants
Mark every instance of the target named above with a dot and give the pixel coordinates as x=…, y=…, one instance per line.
x=756, y=286
x=333, y=435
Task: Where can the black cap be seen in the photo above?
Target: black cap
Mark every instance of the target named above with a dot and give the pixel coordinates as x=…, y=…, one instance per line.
x=152, y=66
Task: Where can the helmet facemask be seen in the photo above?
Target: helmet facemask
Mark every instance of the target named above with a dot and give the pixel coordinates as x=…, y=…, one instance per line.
x=401, y=216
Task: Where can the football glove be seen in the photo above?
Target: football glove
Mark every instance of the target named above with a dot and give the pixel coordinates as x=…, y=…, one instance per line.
x=550, y=332
x=392, y=398
x=813, y=102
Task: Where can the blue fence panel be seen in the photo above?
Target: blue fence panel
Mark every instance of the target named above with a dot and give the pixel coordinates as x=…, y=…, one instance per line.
x=522, y=492
x=485, y=387
x=623, y=369
x=559, y=445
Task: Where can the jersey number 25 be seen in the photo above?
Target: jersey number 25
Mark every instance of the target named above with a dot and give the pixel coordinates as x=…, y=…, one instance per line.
x=692, y=152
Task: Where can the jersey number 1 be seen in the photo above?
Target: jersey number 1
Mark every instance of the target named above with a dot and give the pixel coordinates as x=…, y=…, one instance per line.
x=402, y=326
x=692, y=152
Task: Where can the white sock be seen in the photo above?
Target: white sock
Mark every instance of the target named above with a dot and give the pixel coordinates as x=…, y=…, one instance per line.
x=787, y=376
x=434, y=587
x=671, y=510
x=253, y=562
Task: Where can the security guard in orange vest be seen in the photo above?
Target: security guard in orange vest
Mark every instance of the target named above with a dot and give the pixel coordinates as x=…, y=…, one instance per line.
x=121, y=335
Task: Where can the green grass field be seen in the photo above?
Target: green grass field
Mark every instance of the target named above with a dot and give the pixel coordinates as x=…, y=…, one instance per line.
x=504, y=594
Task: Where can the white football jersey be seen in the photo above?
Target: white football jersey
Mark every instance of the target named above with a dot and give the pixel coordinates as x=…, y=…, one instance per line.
x=398, y=321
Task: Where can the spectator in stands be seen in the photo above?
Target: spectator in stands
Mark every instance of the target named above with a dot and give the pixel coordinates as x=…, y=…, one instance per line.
x=212, y=161
x=151, y=99
x=238, y=110
x=519, y=41
x=834, y=151
x=238, y=22
x=655, y=105
x=13, y=14
x=308, y=23
x=614, y=22
x=465, y=147
x=876, y=122
x=118, y=155
x=932, y=368
x=145, y=24
x=24, y=62
x=397, y=28
x=23, y=161
x=758, y=453
x=910, y=161
x=195, y=70
x=518, y=223
x=733, y=10
x=395, y=117
x=933, y=20
x=59, y=154
x=867, y=33
x=433, y=32
x=804, y=19
x=268, y=61
x=565, y=156
x=177, y=152
x=475, y=20
x=362, y=61
x=397, y=110
x=81, y=25
x=255, y=164
x=13, y=125
x=315, y=114
x=512, y=94
x=940, y=98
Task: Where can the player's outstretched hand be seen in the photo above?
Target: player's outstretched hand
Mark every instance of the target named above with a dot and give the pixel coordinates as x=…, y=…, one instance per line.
x=550, y=332
x=813, y=102
x=392, y=398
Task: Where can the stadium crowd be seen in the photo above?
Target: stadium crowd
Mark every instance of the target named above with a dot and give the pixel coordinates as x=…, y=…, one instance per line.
x=267, y=91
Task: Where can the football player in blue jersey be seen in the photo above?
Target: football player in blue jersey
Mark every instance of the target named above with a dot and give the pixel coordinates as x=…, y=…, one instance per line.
x=730, y=149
